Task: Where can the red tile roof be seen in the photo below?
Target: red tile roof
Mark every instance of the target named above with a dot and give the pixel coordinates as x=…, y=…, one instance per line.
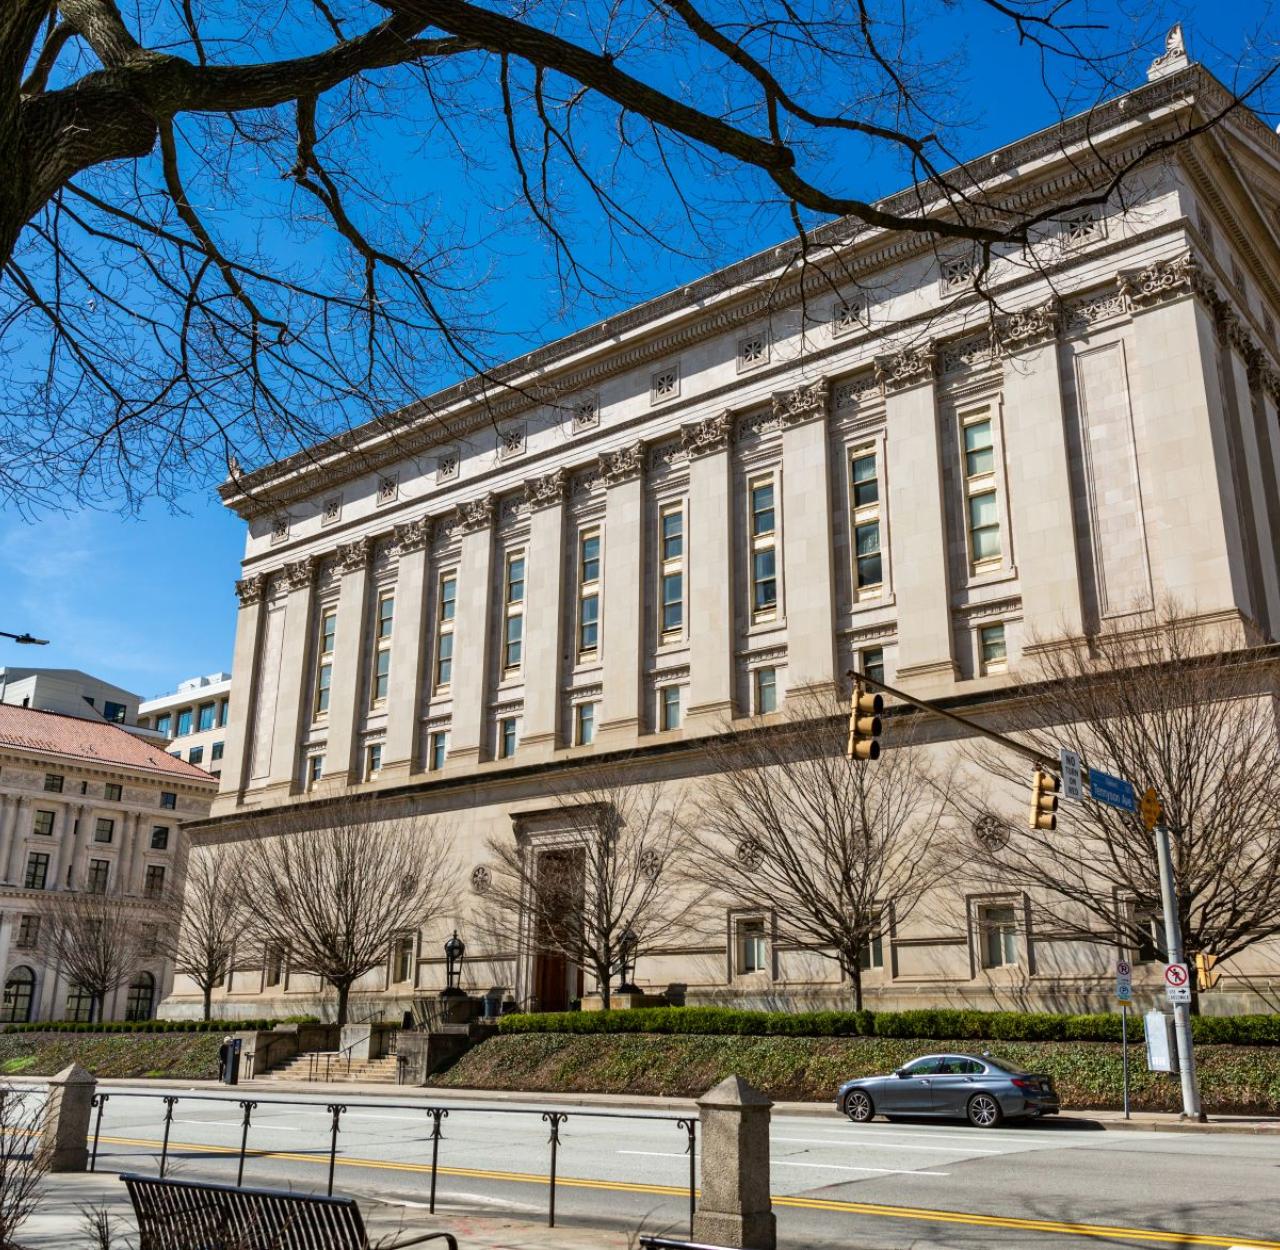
x=29, y=729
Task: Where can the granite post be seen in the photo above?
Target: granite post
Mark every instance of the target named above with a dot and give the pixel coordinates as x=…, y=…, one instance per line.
x=735, y=1208
x=67, y=1114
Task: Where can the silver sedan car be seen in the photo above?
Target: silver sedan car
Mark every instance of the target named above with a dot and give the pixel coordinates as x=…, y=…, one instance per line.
x=979, y=1089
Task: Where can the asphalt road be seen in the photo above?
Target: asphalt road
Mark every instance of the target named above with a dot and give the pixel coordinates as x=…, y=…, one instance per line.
x=882, y=1186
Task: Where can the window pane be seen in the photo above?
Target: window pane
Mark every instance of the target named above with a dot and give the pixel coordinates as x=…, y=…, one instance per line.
x=984, y=526
x=591, y=558
x=979, y=457
x=386, y=612
x=764, y=580
x=448, y=598
x=762, y=509
x=588, y=629
x=672, y=535
x=670, y=707
x=184, y=721
x=206, y=716
x=993, y=643
x=672, y=602
x=873, y=663
x=866, y=489
x=515, y=637
x=766, y=691
x=515, y=580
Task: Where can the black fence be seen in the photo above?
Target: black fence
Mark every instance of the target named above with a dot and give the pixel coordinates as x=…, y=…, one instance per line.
x=551, y=1117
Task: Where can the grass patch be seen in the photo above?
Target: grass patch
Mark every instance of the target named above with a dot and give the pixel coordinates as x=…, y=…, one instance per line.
x=192, y=1055
x=1233, y=1079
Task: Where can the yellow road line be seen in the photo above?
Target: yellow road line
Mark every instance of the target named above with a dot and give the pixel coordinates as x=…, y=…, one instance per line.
x=879, y=1210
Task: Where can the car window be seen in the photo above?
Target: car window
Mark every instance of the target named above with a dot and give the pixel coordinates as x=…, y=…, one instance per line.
x=1007, y=1068
x=923, y=1067
x=958, y=1065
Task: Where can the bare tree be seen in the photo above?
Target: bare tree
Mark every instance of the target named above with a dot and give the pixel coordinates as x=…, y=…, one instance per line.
x=23, y=1160
x=606, y=884
x=1163, y=701
x=209, y=237
x=334, y=897
x=833, y=849
x=203, y=925
x=99, y=941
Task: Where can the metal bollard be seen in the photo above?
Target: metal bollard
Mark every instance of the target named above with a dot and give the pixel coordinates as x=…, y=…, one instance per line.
x=335, y=1109
x=247, y=1107
x=169, y=1102
x=99, y=1101
x=437, y=1114
x=690, y=1126
x=555, y=1119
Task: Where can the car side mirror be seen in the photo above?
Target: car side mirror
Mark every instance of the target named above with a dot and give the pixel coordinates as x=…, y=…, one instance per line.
x=902, y=1073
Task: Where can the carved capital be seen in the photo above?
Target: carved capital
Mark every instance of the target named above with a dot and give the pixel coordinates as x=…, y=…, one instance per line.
x=301, y=573
x=1270, y=380
x=622, y=465
x=1166, y=280
x=251, y=589
x=352, y=557
x=547, y=491
x=1030, y=327
x=477, y=514
x=412, y=535
x=709, y=435
x=805, y=403
x=910, y=367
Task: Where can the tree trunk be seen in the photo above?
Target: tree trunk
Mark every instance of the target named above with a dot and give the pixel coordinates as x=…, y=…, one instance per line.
x=344, y=992
x=855, y=974
x=208, y=1002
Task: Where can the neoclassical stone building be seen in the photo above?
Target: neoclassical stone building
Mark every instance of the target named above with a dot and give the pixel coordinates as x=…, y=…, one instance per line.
x=684, y=515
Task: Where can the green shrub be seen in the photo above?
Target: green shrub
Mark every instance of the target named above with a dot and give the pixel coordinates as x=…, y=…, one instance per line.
x=932, y=1024
x=152, y=1026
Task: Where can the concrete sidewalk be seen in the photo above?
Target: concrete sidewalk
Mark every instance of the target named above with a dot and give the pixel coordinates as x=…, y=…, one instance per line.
x=1146, y=1121
x=60, y=1222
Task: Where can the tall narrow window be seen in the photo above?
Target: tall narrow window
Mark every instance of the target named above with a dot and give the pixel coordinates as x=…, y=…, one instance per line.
x=382, y=647
x=508, y=737
x=589, y=594
x=373, y=760
x=865, y=501
x=205, y=716
x=315, y=769
x=671, y=541
x=991, y=645
x=96, y=879
x=668, y=707
x=999, y=926
x=584, y=724
x=764, y=567
x=444, y=628
x=981, y=508
x=437, y=749
x=513, y=595
x=871, y=662
x=752, y=952
x=765, y=683
x=153, y=882
x=324, y=670
x=37, y=871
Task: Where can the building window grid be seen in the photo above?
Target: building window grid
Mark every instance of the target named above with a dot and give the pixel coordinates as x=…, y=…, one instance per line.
x=153, y=882
x=324, y=669
x=871, y=662
x=763, y=526
x=112, y=791
x=28, y=936
x=402, y=960
x=671, y=573
x=98, y=876
x=42, y=823
x=206, y=716
x=751, y=946
x=384, y=619
x=588, y=594
x=992, y=653
x=982, y=509
x=871, y=957
x=160, y=837
x=37, y=873
x=513, y=613
x=104, y=829
x=445, y=617
x=998, y=931
x=864, y=501
x=53, y=782
x=184, y=722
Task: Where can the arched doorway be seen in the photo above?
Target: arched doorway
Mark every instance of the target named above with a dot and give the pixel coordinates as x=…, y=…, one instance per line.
x=19, y=995
x=142, y=995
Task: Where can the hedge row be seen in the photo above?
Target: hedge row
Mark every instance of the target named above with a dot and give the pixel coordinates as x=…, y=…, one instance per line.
x=936, y=1025
x=1233, y=1079
x=152, y=1026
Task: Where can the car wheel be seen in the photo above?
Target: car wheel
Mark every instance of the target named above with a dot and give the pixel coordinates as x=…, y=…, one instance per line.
x=984, y=1111
x=859, y=1107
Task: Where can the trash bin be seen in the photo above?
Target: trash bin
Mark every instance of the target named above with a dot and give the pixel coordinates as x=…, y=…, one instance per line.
x=229, y=1061
x=493, y=1002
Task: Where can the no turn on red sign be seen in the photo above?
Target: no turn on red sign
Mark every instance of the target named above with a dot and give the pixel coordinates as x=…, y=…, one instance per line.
x=1177, y=983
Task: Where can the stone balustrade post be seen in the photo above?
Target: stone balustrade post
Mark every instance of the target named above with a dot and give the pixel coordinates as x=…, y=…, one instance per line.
x=66, y=1126
x=734, y=1208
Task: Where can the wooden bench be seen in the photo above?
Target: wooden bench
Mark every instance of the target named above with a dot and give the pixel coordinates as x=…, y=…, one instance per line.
x=192, y=1215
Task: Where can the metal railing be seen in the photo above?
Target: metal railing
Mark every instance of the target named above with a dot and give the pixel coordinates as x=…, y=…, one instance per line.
x=334, y=1060
x=552, y=1117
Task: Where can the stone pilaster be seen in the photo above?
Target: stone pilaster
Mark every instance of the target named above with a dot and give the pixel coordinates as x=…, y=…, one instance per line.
x=711, y=569
x=471, y=631
x=350, y=664
x=408, y=648
x=917, y=514
x=544, y=613
x=246, y=674
x=15, y=860
x=807, y=548
x=293, y=694
x=1039, y=475
x=7, y=804
x=621, y=713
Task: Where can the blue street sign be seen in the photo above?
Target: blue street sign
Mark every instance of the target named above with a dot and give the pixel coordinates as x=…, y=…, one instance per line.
x=1114, y=791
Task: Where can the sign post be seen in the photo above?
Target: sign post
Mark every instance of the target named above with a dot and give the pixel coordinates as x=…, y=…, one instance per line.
x=1124, y=992
x=1177, y=976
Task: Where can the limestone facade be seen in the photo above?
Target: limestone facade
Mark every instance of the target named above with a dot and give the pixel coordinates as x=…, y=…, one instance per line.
x=682, y=516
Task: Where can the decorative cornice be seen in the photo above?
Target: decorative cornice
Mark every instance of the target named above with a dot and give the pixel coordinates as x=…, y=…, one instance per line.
x=804, y=403
x=412, y=535
x=1030, y=327
x=1166, y=280
x=909, y=367
x=709, y=435
x=477, y=514
x=547, y=491
x=301, y=573
x=251, y=590
x=354, y=556
x=622, y=465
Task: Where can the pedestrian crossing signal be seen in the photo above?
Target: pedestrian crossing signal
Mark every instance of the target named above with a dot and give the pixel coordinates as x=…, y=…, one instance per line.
x=1206, y=977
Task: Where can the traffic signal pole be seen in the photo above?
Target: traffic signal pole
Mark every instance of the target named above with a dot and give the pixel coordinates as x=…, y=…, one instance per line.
x=1181, y=1011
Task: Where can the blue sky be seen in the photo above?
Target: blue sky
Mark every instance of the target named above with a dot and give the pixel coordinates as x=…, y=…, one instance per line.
x=147, y=600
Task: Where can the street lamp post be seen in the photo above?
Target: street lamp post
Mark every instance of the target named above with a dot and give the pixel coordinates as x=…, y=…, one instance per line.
x=454, y=949
x=27, y=640
x=627, y=944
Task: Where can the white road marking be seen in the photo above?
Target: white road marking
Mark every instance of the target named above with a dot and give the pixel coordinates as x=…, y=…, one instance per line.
x=842, y=1167
x=655, y=1154
x=887, y=1145
x=1054, y=1138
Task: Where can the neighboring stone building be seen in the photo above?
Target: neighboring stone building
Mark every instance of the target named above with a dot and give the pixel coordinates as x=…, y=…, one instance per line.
x=741, y=490
x=193, y=718
x=85, y=806
x=69, y=691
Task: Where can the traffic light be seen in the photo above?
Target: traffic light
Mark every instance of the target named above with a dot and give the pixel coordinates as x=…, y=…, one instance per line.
x=1206, y=978
x=1044, y=801
x=864, y=724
